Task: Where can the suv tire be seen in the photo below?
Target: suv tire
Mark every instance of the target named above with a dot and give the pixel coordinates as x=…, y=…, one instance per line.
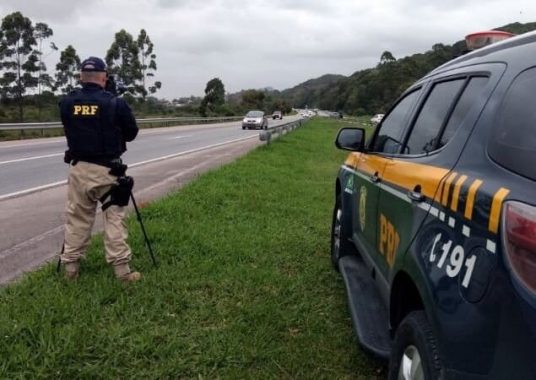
x=340, y=246
x=415, y=354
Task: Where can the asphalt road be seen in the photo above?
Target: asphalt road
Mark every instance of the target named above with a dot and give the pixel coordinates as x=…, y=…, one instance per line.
x=36, y=164
x=33, y=177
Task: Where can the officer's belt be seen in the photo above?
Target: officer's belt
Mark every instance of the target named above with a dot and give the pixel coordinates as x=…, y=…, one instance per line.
x=107, y=162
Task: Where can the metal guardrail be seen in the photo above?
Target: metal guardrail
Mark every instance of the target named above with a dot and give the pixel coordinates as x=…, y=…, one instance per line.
x=164, y=122
x=280, y=130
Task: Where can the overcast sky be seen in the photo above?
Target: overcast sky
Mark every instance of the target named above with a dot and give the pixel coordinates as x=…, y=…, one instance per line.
x=262, y=43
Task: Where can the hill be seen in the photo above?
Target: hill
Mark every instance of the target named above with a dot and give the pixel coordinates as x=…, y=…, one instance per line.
x=373, y=90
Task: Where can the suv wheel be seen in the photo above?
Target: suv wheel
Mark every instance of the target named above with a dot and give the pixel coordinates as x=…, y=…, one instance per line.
x=415, y=355
x=340, y=246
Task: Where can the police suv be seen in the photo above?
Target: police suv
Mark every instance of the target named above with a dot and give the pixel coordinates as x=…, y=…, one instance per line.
x=434, y=224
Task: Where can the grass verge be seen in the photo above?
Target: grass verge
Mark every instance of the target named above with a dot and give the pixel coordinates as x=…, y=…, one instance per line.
x=244, y=288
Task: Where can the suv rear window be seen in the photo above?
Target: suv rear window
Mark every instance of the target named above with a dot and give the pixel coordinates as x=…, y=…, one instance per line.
x=255, y=114
x=513, y=144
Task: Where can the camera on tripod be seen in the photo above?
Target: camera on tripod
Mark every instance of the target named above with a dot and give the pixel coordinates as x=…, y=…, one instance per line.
x=115, y=87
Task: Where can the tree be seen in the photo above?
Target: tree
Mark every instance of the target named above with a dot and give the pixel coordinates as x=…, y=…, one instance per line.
x=387, y=57
x=253, y=99
x=148, y=63
x=123, y=61
x=42, y=32
x=18, y=59
x=67, y=74
x=280, y=105
x=214, y=96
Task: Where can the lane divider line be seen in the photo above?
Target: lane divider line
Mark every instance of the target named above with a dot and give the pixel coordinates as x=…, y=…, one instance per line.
x=190, y=151
x=180, y=137
x=31, y=158
x=143, y=131
x=32, y=190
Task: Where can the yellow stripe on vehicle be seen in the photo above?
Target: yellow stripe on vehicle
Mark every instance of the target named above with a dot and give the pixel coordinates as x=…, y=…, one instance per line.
x=399, y=172
x=456, y=193
x=471, y=198
x=370, y=164
x=352, y=159
x=495, y=212
x=408, y=175
x=446, y=189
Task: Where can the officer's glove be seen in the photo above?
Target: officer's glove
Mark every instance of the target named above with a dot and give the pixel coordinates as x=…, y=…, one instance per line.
x=117, y=168
x=67, y=157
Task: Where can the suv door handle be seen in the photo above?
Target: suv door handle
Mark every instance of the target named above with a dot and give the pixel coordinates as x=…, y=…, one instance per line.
x=415, y=196
x=374, y=178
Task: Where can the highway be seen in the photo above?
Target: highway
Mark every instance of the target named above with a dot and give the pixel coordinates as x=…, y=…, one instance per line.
x=35, y=164
x=33, y=178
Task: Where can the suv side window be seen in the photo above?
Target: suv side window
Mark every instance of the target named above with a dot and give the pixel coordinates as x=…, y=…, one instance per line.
x=389, y=137
x=432, y=117
x=513, y=142
x=467, y=100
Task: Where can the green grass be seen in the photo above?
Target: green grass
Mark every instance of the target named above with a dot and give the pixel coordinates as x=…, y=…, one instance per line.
x=244, y=288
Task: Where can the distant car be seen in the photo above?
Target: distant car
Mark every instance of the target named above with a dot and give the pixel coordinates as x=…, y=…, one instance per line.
x=377, y=118
x=255, y=119
x=277, y=115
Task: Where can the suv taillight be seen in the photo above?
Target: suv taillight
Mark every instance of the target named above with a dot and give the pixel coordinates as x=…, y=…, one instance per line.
x=520, y=241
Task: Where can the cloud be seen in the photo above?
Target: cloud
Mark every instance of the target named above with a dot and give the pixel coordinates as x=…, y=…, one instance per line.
x=259, y=43
x=44, y=10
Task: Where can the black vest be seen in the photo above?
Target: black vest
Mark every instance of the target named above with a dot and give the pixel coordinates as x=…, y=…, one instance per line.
x=89, y=125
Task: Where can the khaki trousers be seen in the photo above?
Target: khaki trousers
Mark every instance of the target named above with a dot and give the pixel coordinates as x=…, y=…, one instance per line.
x=86, y=184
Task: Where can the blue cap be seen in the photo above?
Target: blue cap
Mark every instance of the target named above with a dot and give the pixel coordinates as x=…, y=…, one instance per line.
x=93, y=64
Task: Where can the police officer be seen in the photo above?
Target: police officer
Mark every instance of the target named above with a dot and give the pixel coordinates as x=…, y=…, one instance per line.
x=97, y=124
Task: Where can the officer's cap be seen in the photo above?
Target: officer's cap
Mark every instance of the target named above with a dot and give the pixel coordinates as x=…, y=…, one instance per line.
x=93, y=64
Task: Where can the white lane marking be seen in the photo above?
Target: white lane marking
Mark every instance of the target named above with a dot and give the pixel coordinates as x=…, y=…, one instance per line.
x=434, y=211
x=442, y=216
x=59, y=183
x=452, y=222
x=33, y=189
x=189, y=151
x=31, y=158
x=491, y=246
x=31, y=143
x=466, y=231
x=180, y=137
x=148, y=131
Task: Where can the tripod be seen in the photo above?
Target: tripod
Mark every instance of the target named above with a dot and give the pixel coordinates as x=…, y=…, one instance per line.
x=147, y=242
x=142, y=226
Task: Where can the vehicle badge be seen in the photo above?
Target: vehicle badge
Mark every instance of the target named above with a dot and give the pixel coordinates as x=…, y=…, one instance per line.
x=362, y=207
x=349, y=188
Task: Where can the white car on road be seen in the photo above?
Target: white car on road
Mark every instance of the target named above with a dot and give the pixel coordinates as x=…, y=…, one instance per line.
x=377, y=118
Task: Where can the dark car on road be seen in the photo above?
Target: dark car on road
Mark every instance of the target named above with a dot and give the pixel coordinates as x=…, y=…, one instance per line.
x=434, y=224
x=255, y=120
